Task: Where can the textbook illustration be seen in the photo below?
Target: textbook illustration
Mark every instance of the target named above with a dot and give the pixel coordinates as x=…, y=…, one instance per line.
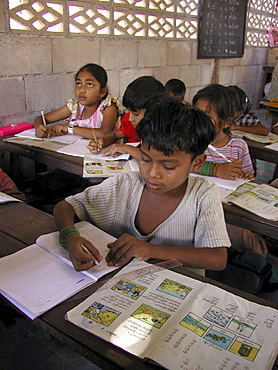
x=179, y=322
x=103, y=167
x=261, y=200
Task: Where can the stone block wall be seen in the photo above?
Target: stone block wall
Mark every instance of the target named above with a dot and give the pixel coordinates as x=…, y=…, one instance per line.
x=37, y=72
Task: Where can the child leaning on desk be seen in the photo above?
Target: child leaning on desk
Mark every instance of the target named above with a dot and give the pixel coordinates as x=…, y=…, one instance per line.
x=140, y=95
x=227, y=156
x=244, y=119
x=159, y=212
x=94, y=108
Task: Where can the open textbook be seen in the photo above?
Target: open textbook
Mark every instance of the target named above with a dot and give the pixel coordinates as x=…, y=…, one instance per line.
x=40, y=276
x=179, y=322
x=225, y=186
x=96, y=167
x=268, y=139
x=261, y=200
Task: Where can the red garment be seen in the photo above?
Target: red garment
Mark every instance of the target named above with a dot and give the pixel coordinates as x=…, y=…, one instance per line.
x=8, y=186
x=128, y=129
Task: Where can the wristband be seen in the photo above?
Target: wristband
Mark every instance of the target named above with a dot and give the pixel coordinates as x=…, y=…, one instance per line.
x=208, y=169
x=65, y=233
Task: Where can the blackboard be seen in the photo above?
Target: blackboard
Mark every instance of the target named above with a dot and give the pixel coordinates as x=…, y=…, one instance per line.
x=221, y=28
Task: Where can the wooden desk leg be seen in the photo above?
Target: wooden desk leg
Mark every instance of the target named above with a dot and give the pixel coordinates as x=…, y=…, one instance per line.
x=16, y=168
x=40, y=167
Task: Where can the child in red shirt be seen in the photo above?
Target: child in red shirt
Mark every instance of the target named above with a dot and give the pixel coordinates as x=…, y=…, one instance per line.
x=140, y=95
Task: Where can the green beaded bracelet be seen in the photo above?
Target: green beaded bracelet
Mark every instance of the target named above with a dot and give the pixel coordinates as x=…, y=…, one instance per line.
x=65, y=233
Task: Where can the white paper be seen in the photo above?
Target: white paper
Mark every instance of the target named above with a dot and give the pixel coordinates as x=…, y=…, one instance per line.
x=6, y=198
x=64, y=139
x=272, y=146
x=100, y=239
x=79, y=149
x=224, y=183
x=35, y=280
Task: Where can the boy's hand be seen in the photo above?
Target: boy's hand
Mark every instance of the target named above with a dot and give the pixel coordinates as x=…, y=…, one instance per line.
x=43, y=131
x=126, y=247
x=117, y=149
x=80, y=259
x=94, y=147
x=60, y=130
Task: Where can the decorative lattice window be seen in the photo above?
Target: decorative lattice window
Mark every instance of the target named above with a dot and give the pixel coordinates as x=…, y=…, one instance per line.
x=156, y=19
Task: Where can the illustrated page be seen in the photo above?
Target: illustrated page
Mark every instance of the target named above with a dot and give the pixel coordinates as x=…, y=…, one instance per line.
x=180, y=322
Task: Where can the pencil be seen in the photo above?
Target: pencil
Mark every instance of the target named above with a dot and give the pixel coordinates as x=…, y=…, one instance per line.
x=86, y=250
x=43, y=118
x=95, y=136
x=217, y=152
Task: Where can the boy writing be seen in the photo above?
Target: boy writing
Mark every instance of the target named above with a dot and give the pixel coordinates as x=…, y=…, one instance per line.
x=140, y=95
x=160, y=212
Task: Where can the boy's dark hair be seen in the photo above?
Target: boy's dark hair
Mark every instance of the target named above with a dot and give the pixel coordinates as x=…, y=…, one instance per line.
x=97, y=71
x=222, y=98
x=143, y=93
x=177, y=87
x=243, y=99
x=175, y=126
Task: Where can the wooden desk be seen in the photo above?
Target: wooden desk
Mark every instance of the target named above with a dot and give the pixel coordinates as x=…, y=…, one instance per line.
x=266, y=78
x=233, y=214
x=274, y=113
x=259, y=151
x=20, y=225
x=64, y=162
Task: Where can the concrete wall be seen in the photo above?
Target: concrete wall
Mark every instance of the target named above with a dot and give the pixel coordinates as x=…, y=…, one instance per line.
x=37, y=73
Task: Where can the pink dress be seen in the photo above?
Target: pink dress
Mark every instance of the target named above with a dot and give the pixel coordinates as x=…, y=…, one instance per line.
x=96, y=119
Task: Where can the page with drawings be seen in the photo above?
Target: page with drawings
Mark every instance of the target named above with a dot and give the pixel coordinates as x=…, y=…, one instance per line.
x=100, y=239
x=180, y=322
x=261, y=200
x=35, y=280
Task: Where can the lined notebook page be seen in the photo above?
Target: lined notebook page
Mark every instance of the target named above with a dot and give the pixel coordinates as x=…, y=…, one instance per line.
x=98, y=237
x=35, y=281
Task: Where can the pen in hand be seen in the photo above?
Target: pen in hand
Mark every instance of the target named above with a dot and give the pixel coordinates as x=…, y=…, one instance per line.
x=86, y=250
x=217, y=152
x=95, y=137
x=43, y=118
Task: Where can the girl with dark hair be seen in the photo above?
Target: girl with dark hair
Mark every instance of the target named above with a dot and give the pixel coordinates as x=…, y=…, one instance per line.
x=93, y=108
x=227, y=156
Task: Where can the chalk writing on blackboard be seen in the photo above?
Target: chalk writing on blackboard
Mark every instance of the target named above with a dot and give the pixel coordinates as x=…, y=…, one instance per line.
x=221, y=28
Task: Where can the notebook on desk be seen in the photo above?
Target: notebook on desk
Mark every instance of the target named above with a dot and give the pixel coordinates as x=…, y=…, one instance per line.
x=39, y=277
